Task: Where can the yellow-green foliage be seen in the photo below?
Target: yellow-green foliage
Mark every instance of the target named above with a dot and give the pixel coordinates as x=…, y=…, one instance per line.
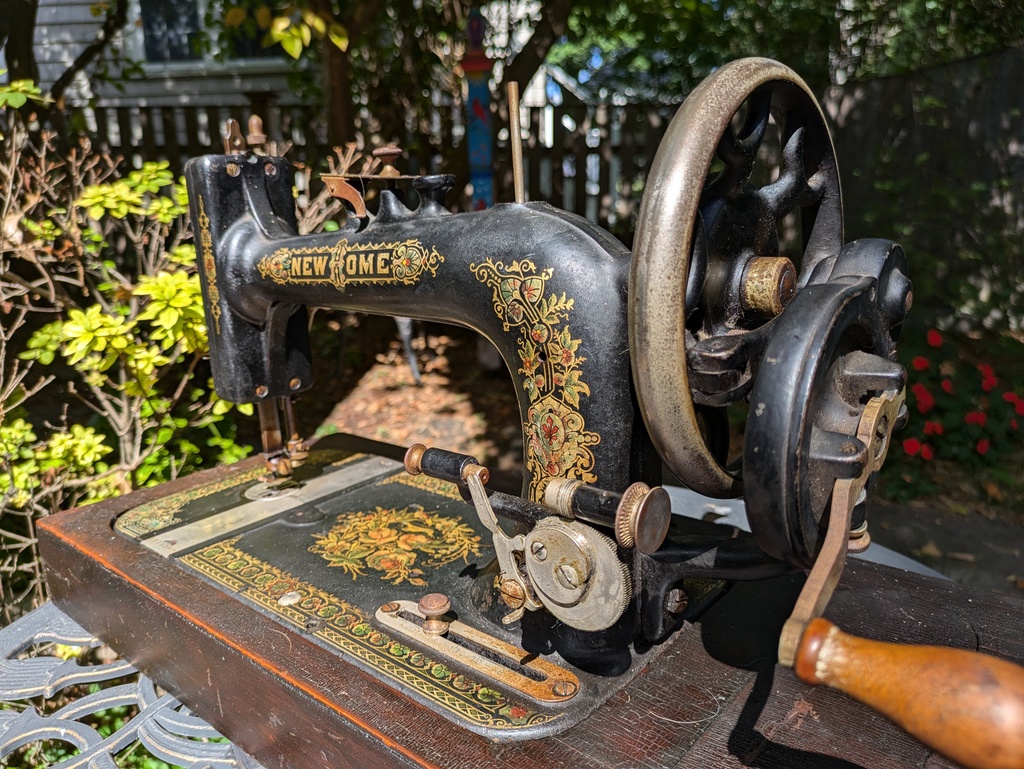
x=135, y=349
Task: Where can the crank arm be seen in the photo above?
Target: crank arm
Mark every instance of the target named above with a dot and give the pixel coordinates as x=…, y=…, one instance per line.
x=964, y=704
x=874, y=430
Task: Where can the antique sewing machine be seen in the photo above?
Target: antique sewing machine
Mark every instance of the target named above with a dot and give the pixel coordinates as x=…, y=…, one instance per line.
x=323, y=602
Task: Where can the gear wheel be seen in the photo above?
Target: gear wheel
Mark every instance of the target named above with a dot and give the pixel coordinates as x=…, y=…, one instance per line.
x=577, y=574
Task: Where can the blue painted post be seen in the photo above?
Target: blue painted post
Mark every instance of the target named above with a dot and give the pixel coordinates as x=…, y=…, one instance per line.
x=477, y=68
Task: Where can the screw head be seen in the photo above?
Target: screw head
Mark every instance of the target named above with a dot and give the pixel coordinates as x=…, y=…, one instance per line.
x=294, y=383
x=564, y=689
x=568, y=575
x=233, y=169
x=262, y=390
x=512, y=593
x=390, y=608
x=539, y=551
x=270, y=169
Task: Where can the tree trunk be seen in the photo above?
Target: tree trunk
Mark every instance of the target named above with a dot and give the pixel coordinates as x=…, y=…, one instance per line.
x=19, y=28
x=554, y=18
x=338, y=102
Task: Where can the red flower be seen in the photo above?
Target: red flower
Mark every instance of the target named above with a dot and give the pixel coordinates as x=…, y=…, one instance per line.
x=933, y=428
x=920, y=363
x=947, y=386
x=989, y=383
x=1019, y=407
x=1013, y=423
x=982, y=447
x=926, y=453
x=1010, y=397
x=934, y=338
x=975, y=418
x=925, y=401
x=986, y=371
x=911, y=446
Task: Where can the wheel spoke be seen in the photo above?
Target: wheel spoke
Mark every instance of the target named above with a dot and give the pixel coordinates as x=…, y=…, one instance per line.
x=717, y=230
x=738, y=151
x=792, y=189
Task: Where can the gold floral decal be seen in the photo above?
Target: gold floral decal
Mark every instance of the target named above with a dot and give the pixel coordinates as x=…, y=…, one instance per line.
x=345, y=627
x=341, y=264
x=209, y=265
x=426, y=482
x=391, y=541
x=558, y=444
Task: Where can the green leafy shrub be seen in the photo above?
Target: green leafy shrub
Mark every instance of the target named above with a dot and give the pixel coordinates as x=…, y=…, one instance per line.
x=103, y=383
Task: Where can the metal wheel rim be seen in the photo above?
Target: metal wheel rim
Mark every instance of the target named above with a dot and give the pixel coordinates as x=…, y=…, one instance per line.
x=661, y=259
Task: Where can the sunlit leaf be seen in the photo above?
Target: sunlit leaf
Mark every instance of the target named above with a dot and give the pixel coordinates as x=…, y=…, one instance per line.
x=338, y=35
x=234, y=17
x=292, y=46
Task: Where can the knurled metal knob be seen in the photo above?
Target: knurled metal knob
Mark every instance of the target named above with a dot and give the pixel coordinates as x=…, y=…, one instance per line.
x=643, y=517
x=433, y=606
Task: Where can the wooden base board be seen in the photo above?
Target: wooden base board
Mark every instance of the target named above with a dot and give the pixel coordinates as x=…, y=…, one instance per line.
x=713, y=697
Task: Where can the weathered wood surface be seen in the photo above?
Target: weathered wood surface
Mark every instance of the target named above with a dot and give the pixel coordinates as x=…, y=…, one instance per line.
x=715, y=698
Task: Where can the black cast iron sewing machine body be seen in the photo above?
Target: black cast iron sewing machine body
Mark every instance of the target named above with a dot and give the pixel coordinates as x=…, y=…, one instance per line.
x=556, y=296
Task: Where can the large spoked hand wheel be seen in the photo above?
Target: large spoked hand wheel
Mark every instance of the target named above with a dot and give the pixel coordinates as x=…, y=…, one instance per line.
x=708, y=278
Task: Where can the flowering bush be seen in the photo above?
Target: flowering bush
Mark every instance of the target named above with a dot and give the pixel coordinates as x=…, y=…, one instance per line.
x=961, y=410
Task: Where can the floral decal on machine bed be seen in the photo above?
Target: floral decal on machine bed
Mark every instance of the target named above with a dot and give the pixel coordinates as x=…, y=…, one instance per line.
x=397, y=542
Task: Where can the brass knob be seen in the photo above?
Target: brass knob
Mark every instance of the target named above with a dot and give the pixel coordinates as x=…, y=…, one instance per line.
x=256, y=136
x=433, y=606
x=388, y=155
x=643, y=517
x=769, y=283
x=414, y=459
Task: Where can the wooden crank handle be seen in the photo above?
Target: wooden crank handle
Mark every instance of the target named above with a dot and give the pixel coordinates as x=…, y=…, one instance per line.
x=966, y=705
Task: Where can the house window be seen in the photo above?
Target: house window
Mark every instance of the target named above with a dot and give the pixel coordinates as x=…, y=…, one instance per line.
x=171, y=30
x=248, y=45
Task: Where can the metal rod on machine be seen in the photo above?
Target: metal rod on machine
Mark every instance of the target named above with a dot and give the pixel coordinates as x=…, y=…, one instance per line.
x=270, y=426
x=515, y=140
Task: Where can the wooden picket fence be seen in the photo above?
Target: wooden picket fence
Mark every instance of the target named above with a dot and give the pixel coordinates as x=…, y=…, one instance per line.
x=585, y=159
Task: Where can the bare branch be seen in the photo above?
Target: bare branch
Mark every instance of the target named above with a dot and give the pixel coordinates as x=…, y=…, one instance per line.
x=117, y=17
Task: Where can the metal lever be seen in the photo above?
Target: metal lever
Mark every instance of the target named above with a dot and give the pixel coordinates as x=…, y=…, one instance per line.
x=875, y=427
x=515, y=588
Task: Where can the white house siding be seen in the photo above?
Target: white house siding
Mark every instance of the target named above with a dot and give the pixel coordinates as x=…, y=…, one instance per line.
x=202, y=84
x=65, y=27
